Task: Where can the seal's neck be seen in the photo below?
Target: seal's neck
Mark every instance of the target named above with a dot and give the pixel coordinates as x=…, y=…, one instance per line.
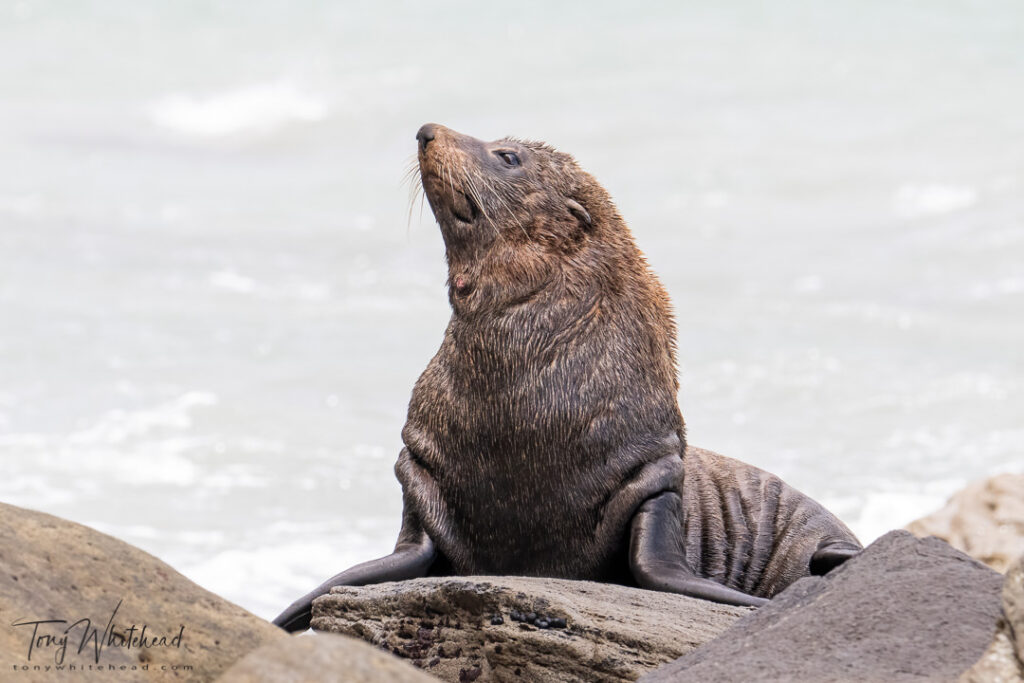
x=485, y=283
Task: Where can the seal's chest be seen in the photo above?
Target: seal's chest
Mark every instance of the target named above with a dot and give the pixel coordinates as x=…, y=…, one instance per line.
x=538, y=530
x=521, y=514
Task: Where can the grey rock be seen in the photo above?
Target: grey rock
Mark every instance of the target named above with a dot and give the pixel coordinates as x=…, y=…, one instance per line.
x=447, y=626
x=985, y=520
x=905, y=609
x=322, y=658
x=54, y=569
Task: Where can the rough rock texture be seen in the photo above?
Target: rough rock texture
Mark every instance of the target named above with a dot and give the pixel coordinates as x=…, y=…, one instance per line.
x=1013, y=605
x=985, y=520
x=323, y=658
x=999, y=664
x=446, y=626
x=54, y=569
x=903, y=610
x=1003, y=662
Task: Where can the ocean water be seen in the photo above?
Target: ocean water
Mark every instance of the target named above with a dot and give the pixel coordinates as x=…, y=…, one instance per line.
x=215, y=300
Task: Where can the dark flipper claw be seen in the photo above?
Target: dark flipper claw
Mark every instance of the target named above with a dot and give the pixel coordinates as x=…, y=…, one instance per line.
x=409, y=561
x=828, y=557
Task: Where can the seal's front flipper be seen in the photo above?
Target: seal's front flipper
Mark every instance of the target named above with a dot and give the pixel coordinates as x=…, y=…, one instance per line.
x=656, y=556
x=409, y=561
x=828, y=557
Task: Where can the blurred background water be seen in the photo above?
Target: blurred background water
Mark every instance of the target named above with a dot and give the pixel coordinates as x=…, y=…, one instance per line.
x=214, y=304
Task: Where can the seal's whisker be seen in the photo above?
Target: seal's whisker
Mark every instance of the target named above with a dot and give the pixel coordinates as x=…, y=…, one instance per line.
x=475, y=192
x=445, y=174
x=415, y=191
x=511, y=214
x=451, y=183
x=480, y=205
x=411, y=169
x=413, y=177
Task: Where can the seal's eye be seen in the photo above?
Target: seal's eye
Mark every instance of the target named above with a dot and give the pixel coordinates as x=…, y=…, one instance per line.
x=510, y=158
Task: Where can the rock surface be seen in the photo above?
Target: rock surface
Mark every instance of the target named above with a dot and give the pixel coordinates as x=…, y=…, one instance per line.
x=1003, y=662
x=451, y=628
x=905, y=609
x=323, y=658
x=985, y=520
x=54, y=569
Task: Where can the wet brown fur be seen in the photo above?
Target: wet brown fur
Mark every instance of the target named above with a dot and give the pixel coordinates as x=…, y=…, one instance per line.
x=549, y=413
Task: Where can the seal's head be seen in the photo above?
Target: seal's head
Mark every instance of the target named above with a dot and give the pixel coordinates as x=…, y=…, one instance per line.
x=518, y=217
x=479, y=189
x=543, y=273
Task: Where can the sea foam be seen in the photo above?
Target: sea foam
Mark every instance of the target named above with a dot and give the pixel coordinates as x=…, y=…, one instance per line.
x=915, y=201
x=254, y=109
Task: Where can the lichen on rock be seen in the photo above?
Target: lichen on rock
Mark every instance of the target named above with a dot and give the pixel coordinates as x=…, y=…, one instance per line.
x=464, y=629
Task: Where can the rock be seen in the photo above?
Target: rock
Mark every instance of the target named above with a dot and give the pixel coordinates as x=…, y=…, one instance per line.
x=985, y=520
x=905, y=609
x=325, y=658
x=1013, y=604
x=1003, y=662
x=448, y=626
x=54, y=569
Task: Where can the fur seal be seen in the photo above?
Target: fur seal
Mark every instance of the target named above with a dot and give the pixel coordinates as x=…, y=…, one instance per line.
x=544, y=438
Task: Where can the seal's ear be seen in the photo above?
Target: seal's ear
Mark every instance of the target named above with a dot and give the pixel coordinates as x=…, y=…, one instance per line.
x=576, y=209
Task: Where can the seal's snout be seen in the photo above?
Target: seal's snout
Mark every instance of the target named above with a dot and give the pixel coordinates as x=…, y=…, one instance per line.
x=426, y=134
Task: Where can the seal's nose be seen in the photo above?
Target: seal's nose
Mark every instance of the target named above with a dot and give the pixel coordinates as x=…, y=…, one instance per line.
x=426, y=133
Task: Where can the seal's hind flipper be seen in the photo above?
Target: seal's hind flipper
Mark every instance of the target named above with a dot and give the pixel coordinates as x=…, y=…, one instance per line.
x=828, y=557
x=657, y=561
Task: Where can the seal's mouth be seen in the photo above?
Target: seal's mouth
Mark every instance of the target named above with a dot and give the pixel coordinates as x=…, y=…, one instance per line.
x=450, y=203
x=464, y=208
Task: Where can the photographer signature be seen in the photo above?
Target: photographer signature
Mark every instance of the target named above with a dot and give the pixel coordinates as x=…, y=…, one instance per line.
x=54, y=635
